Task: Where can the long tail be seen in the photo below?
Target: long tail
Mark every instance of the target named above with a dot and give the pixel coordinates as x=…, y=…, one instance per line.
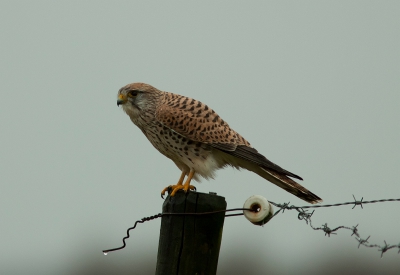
x=288, y=184
x=249, y=158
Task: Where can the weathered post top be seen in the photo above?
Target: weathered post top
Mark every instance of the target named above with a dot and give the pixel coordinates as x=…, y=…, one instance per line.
x=189, y=244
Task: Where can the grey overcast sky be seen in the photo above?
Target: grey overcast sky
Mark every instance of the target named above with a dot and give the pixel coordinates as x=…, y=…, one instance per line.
x=313, y=85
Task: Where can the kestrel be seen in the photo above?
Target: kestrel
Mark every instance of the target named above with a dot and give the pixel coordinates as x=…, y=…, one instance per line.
x=197, y=139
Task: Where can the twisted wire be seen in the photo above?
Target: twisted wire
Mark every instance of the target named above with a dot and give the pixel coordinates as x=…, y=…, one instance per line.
x=303, y=215
x=145, y=219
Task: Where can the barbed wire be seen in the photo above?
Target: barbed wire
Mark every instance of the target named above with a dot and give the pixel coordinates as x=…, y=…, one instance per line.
x=303, y=215
x=306, y=216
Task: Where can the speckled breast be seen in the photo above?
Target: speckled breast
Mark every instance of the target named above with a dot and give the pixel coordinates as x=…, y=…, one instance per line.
x=176, y=146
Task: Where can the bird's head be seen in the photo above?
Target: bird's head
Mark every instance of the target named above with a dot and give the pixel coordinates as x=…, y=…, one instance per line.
x=137, y=97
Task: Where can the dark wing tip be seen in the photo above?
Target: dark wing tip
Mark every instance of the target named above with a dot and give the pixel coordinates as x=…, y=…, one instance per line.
x=312, y=198
x=293, y=175
x=251, y=154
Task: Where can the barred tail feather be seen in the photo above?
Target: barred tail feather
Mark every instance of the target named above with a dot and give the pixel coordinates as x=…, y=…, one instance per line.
x=289, y=185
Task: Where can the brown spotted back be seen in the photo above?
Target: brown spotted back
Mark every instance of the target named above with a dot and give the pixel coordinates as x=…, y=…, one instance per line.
x=196, y=121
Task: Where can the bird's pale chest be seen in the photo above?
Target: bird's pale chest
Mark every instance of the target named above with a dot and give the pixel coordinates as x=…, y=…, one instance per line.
x=175, y=146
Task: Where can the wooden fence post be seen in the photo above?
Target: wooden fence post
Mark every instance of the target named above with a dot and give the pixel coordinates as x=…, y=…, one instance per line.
x=189, y=244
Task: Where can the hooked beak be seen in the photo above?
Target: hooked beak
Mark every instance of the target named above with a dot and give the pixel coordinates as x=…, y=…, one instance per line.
x=121, y=100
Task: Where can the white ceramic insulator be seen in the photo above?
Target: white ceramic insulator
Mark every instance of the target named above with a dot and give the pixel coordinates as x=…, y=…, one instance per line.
x=265, y=210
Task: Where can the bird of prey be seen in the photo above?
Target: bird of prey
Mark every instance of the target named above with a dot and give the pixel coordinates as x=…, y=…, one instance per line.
x=197, y=139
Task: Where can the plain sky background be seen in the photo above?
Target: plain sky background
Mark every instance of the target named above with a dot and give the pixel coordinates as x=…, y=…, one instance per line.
x=313, y=85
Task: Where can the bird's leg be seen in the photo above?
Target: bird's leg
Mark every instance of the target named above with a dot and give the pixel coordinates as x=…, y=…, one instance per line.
x=186, y=187
x=179, y=186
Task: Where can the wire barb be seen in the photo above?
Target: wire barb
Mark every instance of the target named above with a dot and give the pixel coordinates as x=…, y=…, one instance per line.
x=355, y=230
x=356, y=202
x=384, y=248
x=304, y=215
x=362, y=241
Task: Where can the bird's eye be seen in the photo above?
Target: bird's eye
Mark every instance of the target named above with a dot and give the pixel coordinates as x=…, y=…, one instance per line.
x=133, y=93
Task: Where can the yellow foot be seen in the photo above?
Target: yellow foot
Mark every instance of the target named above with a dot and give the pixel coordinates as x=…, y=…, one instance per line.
x=172, y=189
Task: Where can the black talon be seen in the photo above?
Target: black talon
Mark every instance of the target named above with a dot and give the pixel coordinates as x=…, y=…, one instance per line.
x=168, y=190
